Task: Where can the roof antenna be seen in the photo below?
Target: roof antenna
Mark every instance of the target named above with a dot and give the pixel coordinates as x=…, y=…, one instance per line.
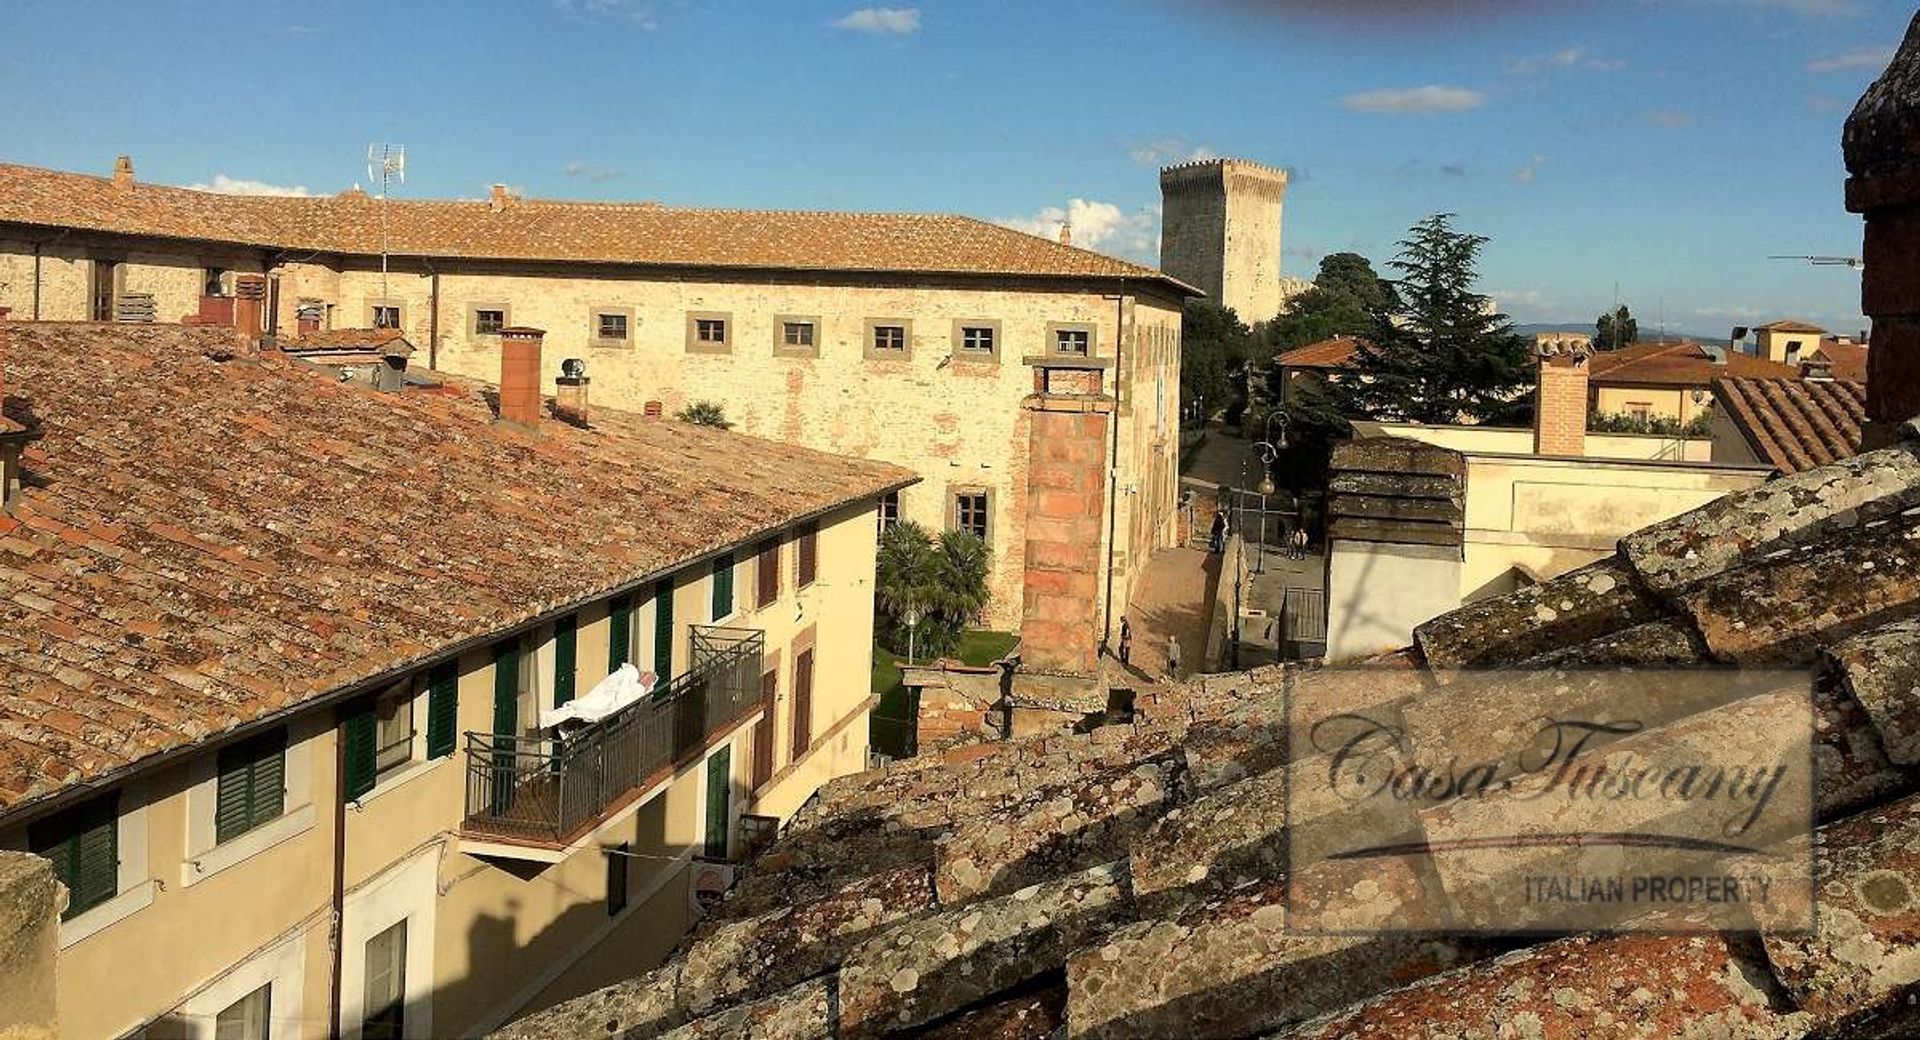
x=386, y=163
x=1853, y=262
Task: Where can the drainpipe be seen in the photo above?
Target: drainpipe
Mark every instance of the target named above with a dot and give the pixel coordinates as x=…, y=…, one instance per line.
x=433, y=315
x=37, y=246
x=1113, y=459
x=337, y=918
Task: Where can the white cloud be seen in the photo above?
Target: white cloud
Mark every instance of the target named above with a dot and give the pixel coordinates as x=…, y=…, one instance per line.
x=1415, y=100
x=883, y=21
x=1525, y=173
x=1166, y=151
x=633, y=11
x=1100, y=226
x=1870, y=58
x=590, y=171
x=1565, y=59
x=225, y=185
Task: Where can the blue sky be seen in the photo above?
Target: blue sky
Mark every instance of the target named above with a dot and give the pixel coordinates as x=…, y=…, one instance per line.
x=1666, y=146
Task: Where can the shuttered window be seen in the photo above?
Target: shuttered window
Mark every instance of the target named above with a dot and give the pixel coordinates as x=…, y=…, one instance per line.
x=763, y=730
x=802, y=703
x=809, y=553
x=360, y=732
x=719, y=801
x=619, y=632
x=252, y=785
x=84, y=845
x=443, y=709
x=566, y=641
x=722, y=586
x=663, y=630
x=506, y=720
x=767, y=573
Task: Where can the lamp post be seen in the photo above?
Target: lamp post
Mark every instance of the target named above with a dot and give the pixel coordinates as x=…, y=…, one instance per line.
x=1267, y=450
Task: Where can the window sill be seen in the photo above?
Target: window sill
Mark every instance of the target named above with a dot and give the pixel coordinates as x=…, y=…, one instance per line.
x=609, y=344
x=109, y=913
x=399, y=778
x=214, y=860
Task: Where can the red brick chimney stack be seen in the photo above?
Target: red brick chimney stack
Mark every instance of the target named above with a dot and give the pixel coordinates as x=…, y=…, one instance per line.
x=1881, y=144
x=520, y=375
x=1560, y=407
x=123, y=173
x=249, y=303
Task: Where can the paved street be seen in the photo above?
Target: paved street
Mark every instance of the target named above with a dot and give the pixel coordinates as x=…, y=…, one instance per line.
x=1175, y=600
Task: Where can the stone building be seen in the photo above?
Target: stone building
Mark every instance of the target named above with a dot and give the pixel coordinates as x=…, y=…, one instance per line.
x=1220, y=232
x=350, y=712
x=1033, y=386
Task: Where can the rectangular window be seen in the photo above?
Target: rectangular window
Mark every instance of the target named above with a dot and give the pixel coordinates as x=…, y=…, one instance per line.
x=617, y=861
x=891, y=338
x=1076, y=342
x=359, y=731
x=802, y=703
x=488, y=321
x=808, y=567
x=385, y=316
x=972, y=512
x=216, y=282
x=719, y=802
x=1640, y=409
x=612, y=326
x=763, y=729
x=566, y=666
x=977, y=339
x=386, y=992
x=84, y=845
x=251, y=786
x=663, y=630
x=246, y=1018
x=767, y=573
x=722, y=586
x=105, y=288
x=889, y=511
x=709, y=332
x=393, y=736
x=796, y=333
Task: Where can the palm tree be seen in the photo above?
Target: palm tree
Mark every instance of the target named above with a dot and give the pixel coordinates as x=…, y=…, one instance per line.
x=906, y=577
x=930, y=592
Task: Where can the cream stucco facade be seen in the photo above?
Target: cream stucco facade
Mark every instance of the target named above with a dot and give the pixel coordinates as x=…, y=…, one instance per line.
x=199, y=927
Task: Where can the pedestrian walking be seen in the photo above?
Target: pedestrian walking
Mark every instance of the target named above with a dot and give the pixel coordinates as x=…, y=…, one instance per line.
x=1173, y=657
x=1126, y=640
x=1299, y=543
x=1217, y=540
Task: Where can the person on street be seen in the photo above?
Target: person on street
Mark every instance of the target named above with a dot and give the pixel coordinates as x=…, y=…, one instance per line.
x=1217, y=539
x=1126, y=640
x=1173, y=657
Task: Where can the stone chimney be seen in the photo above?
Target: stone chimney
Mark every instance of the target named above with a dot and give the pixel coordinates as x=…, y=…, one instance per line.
x=520, y=376
x=570, y=392
x=1066, y=232
x=1560, y=406
x=500, y=198
x=123, y=173
x=31, y=900
x=249, y=304
x=1881, y=144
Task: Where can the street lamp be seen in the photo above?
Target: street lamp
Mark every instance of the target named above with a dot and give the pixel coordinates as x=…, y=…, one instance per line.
x=1268, y=450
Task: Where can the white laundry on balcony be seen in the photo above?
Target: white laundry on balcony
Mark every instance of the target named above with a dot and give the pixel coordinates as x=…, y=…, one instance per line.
x=626, y=685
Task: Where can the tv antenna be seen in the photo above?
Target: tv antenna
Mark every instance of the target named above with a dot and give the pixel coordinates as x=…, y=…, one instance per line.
x=387, y=164
x=1853, y=262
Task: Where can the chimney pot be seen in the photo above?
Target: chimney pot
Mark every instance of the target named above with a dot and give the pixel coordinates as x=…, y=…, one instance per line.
x=123, y=172
x=249, y=302
x=570, y=392
x=520, y=375
x=1560, y=404
x=501, y=198
x=1066, y=233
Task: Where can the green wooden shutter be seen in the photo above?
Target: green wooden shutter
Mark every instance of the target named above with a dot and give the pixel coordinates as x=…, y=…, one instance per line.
x=360, y=732
x=231, y=811
x=663, y=630
x=83, y=844
x=269, y=789
x=566, y=642
x=619, y=632
x=506, y=721
x=251, y=788
x=443, y=709
x=722, y=586
x=719, y=797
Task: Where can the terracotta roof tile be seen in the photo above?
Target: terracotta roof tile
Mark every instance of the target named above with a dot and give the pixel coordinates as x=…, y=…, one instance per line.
x=1846, y=361
x=1335, y=352
x=1677, y=364
x=1796, y=424
x=525, y=229
x=170, y=572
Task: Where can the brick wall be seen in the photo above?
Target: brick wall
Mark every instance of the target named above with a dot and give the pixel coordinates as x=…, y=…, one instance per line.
x=1560, y=404
x=1067, y=490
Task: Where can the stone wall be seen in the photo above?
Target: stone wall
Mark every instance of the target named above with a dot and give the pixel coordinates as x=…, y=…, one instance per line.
x=30, y=904
x=1220, y=232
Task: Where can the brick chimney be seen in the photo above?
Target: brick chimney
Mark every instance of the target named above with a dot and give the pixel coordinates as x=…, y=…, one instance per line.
x=520, y=375
x=570, y=392
x=1560, y=407
x=500, y=198
x=1066, y=233
x=249, y=302
x=1881, y=144
x=123, y=173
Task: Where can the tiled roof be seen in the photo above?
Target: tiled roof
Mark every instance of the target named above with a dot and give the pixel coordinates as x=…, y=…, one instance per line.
x=1845, y=360
x=1128, y=882
x=1328, y=353
x=1677, y=364
x=525, y=229
x=208, y=535
x=1790, y=325
x=1796, y=424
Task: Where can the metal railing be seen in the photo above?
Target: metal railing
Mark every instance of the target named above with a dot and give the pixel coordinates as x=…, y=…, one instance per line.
x=545, y=790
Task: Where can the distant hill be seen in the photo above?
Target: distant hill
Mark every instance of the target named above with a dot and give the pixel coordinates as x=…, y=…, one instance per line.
x=1647, y=331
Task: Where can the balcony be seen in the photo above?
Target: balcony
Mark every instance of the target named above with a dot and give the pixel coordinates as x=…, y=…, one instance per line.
x=547, y=793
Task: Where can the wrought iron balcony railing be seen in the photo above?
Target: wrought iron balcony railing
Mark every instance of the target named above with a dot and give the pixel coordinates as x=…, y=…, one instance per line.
x=547, y=791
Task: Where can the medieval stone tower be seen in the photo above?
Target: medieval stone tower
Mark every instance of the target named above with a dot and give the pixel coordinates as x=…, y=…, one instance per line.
x=1220, y=232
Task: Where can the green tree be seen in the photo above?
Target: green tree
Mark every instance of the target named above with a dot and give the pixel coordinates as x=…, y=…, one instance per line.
x=1345, y=297
x=1616, y=328
x=1440, y=353
x=929, y=591
x=704, y=413
x=1215, y=348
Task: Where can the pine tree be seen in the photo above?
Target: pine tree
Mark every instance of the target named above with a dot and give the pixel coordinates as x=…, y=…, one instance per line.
x=1438, y=353
x=1615, y=329
x=1345, y=295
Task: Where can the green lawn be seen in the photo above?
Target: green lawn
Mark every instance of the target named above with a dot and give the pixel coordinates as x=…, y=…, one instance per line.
x=892, y=723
